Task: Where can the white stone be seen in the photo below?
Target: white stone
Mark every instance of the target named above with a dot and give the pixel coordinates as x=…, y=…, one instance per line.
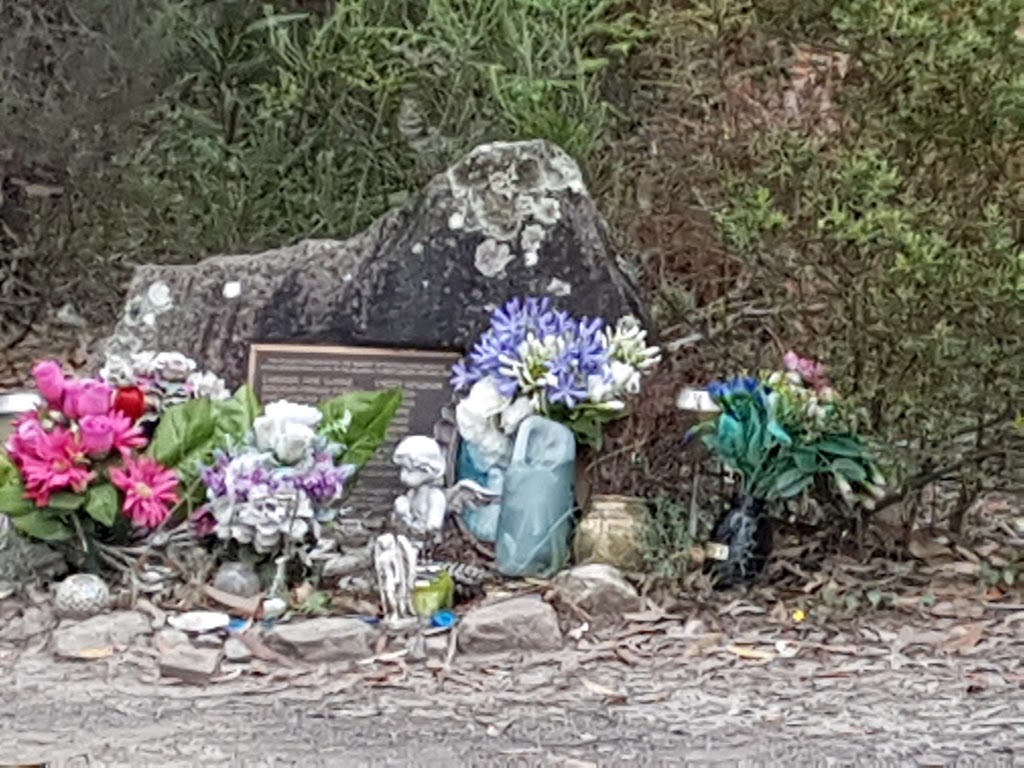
x=232, y=289
x=237, y=651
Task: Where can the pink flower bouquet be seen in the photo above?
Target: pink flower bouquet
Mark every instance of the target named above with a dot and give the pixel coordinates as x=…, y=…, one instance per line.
x=75, y=463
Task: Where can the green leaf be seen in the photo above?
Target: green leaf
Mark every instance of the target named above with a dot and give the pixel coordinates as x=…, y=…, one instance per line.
x=186, y=429
x=40, y=525
x=850, y=469
x=841, y=445
x=359, y=421
x=13, y=501
x=234, y=417
x=66, y=502
x=102, y=504
x=8, y=470
x=806, y=460
x=791, y=483
x=779, y=433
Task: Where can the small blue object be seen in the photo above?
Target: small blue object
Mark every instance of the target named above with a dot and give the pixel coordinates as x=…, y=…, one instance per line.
x=444, y=619
x=238, y=625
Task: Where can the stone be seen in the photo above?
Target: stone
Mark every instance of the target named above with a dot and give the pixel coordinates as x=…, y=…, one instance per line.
x=168, y=638
x=81, y=595
x=193, y=665
x=237, y=651
x=598, y=589
x=237, y=579
x=74, y=639
x=509, y=219
x=198, y=622
x=521, y=623
x=325, y=639
x=19, y=624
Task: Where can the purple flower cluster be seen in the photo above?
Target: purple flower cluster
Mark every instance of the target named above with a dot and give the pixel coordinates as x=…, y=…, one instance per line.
x=531, y=346
x=250, y=475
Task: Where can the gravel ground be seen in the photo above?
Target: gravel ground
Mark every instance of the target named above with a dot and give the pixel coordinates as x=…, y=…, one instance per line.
x=669, y=701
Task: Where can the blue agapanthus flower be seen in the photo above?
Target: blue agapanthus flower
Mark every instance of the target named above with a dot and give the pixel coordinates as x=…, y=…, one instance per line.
x=568, y=350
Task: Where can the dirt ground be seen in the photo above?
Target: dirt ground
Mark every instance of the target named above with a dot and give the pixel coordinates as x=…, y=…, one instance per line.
x=656, y=692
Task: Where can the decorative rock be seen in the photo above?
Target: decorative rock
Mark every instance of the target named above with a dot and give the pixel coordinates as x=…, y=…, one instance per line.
x=74, y=639
x=510, y=219
x=237, y=651
x=193, y=665
x=274, y=607
x=522, y=623
x=200, y=621
x=598, y=589
x=327, y=639
x=81, y=595
x=237, y=579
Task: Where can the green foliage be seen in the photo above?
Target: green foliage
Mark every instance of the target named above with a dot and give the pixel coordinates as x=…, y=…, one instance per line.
x=189, y=432
x=905, y=224
x=285, y=123
x=102, y=504
x=666, y=540
x=360, y=421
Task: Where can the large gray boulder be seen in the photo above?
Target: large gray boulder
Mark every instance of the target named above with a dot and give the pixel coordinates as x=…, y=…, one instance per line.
x=510, y=219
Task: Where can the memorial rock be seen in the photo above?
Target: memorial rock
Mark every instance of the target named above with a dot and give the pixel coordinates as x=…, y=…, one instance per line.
x=510, y=219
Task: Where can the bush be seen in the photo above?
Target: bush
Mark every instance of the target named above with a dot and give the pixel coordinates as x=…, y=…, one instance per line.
x=893, y=244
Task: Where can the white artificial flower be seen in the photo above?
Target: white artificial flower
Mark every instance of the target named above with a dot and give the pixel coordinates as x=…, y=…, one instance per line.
x=285, y=410
x=118, y=371
x=208, y=385
x=514, y=415
x=173, y=366
x=144, y=363
x=625, y=377
x=599, y=388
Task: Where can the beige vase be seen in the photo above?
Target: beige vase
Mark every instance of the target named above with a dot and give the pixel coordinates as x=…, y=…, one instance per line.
x=612, y=532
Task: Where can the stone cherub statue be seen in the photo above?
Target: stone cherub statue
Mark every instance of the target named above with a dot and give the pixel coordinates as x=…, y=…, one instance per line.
x=422, y=509
x=421, y=512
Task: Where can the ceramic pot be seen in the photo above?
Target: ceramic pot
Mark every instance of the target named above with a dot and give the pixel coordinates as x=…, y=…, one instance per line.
x=612, y=532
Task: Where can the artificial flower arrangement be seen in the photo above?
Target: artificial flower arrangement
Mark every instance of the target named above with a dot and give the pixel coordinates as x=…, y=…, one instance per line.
x=783, y=430
x=538, y=360
x=78, y=461
x=93, y=462
x=278, y=486
x=152, y=382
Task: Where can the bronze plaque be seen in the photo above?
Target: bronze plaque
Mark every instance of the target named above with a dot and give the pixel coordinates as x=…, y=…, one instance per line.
x=313, y=374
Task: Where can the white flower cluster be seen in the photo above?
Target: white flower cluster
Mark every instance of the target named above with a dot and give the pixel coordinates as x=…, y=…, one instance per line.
x=490, y=419
x=168, y=378
x=287, y=430
x=266, y=522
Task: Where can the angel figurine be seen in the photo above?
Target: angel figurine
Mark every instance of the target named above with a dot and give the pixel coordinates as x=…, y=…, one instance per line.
x=394, y=560
x=423, y=507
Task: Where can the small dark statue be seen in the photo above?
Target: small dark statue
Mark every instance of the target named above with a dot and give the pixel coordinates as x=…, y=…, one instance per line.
x=741, y=543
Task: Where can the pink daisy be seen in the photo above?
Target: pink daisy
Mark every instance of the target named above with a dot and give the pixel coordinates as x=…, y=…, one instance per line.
x=49, y=461
x=150, y=490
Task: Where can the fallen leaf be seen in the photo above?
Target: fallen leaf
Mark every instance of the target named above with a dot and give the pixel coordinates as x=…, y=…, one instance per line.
x=968, y=637
x=245, y=606
x=746, y=652
x=577, y=633
x=603, y=690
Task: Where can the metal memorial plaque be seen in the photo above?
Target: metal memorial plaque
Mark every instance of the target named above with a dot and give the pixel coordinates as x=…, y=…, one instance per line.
x=313, y=374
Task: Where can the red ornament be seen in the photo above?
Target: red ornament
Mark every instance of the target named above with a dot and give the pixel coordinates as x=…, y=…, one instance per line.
x=131, y=401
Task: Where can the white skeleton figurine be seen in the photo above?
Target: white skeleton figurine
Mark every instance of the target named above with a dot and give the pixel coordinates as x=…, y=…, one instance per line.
x=394, y=559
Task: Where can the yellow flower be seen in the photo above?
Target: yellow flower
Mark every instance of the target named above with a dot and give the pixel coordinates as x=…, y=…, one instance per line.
x=799, y=615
